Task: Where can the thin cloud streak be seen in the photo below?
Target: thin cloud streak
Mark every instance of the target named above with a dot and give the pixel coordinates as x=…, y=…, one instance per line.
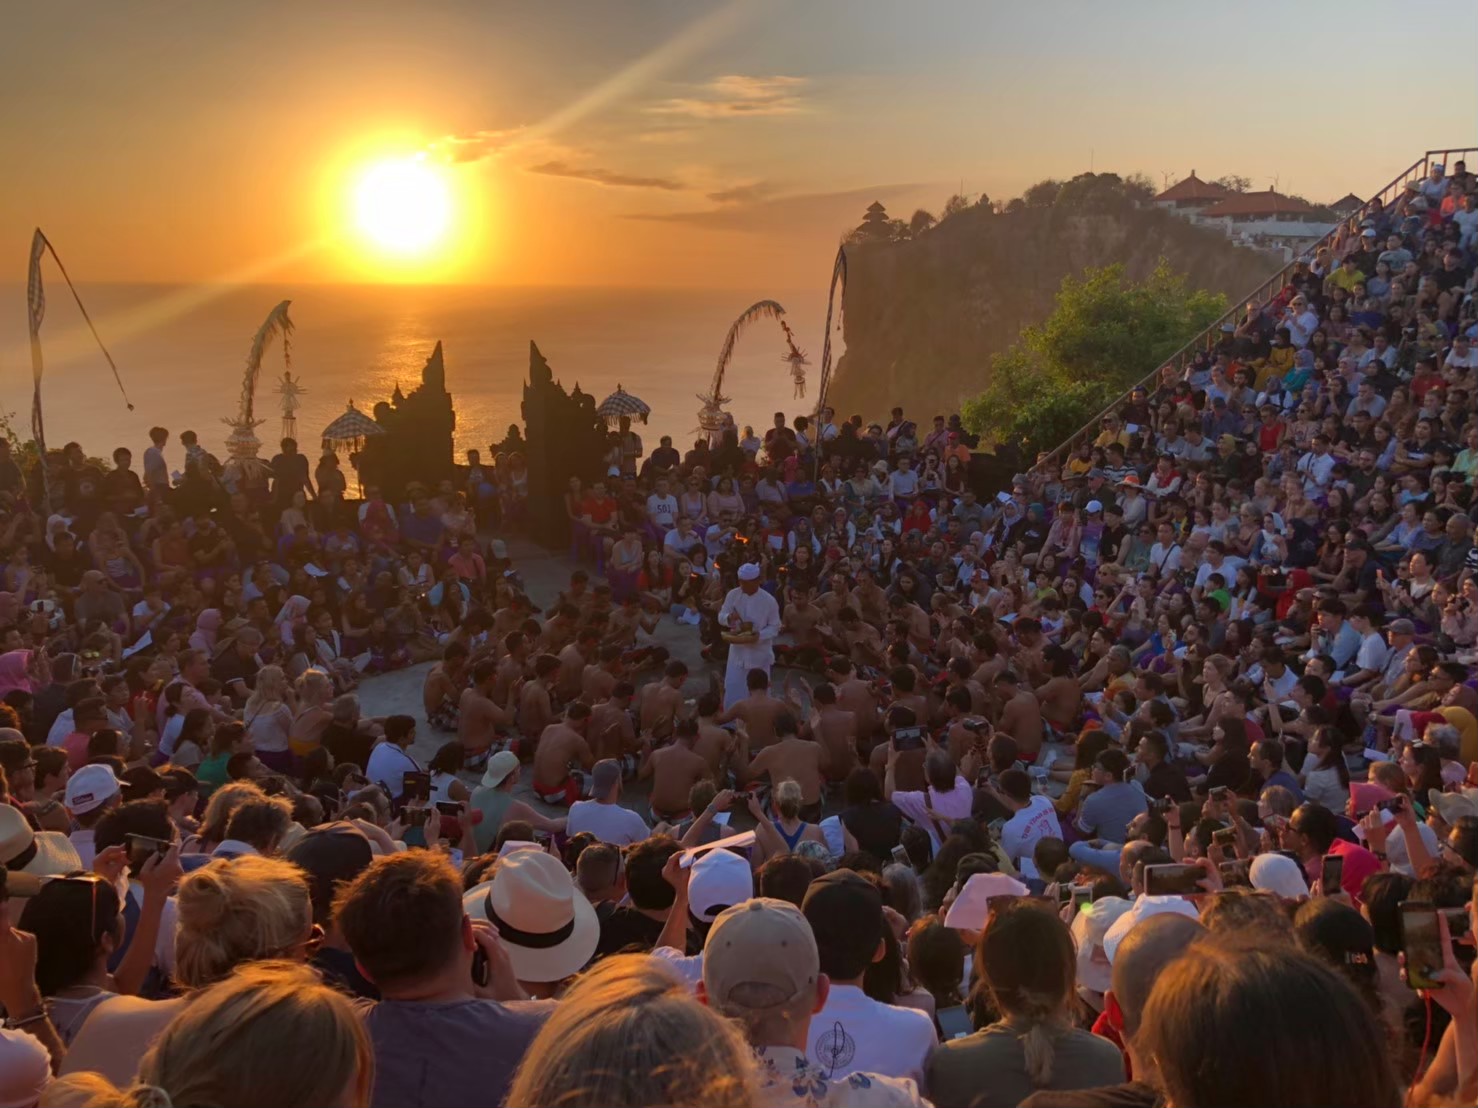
x=737, y=96
x=609, y=178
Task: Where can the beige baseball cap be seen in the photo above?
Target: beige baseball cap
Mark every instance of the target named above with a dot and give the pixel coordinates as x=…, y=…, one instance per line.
x=759, y=954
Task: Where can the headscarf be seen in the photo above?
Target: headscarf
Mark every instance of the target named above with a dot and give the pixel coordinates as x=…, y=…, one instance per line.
x=292, y=614
x=207, y=625
x=51, y=529
x=15, y=672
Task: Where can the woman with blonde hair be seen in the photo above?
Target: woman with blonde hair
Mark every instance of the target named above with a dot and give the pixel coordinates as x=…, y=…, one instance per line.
x=239, y=910
x=1028, y=965
x=784, y=833
x=268, y=716
x=629, y=1034
x=270, y=1033
x=312, y=714
x=230, y=913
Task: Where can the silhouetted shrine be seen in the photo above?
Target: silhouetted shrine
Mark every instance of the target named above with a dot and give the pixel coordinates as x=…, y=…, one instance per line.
x=417, y=444
x=563, y=438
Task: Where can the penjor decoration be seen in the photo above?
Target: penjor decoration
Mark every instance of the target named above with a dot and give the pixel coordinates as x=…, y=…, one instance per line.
x=797, y=361
x=36, y=313
x=289, y=389
x=242, y=444
x=713, y=421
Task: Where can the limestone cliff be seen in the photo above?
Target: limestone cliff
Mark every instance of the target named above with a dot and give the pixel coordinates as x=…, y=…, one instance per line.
x=923, y=316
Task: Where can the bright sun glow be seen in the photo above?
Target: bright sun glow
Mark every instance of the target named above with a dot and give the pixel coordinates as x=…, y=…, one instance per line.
x=403, y=206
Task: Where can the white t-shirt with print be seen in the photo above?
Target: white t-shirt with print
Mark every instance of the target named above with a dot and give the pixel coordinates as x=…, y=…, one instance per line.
x=1022, y=832
x=662, y=510
x=854, y=1033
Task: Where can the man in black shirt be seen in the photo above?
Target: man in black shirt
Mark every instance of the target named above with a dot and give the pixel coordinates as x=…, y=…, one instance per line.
x=638, y=925
x=289, y=474
x=1165, y=781
x=236, y=666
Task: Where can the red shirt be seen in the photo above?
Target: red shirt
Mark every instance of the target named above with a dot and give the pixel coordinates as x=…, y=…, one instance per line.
x=599, y=509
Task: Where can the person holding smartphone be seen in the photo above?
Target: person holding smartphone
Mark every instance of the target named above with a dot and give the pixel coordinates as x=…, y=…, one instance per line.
x=391, y=759
x=1312, y=833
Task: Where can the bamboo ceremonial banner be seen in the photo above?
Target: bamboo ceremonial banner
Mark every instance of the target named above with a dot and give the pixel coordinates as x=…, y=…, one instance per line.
x=838, y=280
x=36, y=303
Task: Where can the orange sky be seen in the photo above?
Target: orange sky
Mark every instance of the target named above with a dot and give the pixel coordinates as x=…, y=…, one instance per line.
x=663, y=142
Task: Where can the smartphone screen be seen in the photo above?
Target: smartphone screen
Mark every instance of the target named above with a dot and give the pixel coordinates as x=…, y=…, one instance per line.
x=416, y=817
x=1082, y=896
x=416, y=786
x=1421, y=942
x=1172, y=880
x=1332, y=873
x=954, y=1022
x=450, y=808
x=908, y=738
x=1220, y=794
x=1226, y=838
x=900, y=855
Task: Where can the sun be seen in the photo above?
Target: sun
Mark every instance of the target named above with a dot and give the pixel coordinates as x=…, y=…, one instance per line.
x=404, y=206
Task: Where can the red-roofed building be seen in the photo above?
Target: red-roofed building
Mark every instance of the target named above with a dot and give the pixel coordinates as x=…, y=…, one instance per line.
x=1348, y=204
x=1192, y=194
x=1243, y=206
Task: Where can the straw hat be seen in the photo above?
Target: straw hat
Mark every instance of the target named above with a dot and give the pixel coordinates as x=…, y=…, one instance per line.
x=29, y=854
x=545, y=923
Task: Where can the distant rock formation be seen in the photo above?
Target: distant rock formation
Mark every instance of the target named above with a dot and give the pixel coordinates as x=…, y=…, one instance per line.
x=417, y=443
x=923, y=316
x=563, y=438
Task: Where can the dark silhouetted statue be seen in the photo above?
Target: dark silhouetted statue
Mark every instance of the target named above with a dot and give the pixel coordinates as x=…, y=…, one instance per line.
x=417, y=443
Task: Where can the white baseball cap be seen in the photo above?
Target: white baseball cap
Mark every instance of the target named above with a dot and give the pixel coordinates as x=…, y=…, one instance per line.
x=90, y=788
x=1144, y=908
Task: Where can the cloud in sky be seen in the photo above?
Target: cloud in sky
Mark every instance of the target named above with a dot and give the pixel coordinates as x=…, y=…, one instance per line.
x=737, y=96
x=607, y=177
x=742, y=193
x=783, y=214
x=475, y=146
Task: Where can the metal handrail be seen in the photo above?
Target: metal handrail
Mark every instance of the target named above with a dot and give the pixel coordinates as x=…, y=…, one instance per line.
x=1264, y=292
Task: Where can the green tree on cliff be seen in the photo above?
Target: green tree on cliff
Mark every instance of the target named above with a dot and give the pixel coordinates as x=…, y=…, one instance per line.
x=1105, y=333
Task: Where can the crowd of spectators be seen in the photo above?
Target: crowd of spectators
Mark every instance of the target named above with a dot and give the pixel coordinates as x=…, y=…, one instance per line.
x=1148, y=780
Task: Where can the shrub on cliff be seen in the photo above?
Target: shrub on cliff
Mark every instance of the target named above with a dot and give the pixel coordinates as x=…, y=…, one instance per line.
x=1105, y=332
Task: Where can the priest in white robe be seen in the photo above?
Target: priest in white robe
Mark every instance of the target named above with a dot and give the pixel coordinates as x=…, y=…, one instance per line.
x=748, y=604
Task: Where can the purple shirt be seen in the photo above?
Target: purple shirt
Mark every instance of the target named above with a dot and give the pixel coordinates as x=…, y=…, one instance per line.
x=462, y=1052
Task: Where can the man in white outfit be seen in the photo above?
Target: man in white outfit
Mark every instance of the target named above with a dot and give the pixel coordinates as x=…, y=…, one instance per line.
x=752, y=605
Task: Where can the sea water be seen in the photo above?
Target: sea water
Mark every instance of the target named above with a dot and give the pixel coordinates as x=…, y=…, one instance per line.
x=181, y=351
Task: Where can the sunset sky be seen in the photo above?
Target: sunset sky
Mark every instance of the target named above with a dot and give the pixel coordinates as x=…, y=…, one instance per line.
x=670, y=143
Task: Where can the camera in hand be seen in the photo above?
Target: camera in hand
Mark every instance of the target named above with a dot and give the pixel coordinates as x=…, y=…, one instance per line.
x=1172, y=880
x=140, y=847
x=415, y=786
x=908, y=738
x=451, y=809
x=1332, y=873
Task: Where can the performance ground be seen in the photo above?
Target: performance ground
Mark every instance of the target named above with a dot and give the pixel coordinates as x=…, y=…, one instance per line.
x=544, y=575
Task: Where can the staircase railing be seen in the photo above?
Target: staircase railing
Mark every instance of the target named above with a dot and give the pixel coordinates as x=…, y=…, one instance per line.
x=1336, y=239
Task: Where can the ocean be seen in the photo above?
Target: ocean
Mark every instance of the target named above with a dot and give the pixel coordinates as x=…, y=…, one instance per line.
x=181, y=351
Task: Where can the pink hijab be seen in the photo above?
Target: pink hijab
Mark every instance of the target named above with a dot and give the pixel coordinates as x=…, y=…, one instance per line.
x=15, y=672
x=207, y=626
